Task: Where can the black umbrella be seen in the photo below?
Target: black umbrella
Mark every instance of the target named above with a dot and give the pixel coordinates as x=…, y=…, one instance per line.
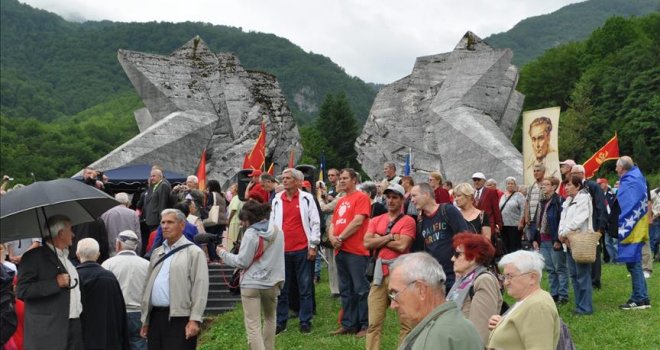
x=23, y=212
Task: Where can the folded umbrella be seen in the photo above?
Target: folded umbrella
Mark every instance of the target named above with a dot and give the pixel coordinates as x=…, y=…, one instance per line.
x=23, y=212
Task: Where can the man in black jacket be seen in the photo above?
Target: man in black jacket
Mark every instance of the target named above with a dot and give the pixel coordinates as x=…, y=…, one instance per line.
x=104, y=313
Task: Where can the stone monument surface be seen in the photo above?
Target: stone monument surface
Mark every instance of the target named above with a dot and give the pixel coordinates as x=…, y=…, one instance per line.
x=456, y=112
x=195, y=99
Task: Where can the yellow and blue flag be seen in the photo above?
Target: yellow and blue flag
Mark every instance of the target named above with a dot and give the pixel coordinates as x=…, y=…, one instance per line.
x=633, y=221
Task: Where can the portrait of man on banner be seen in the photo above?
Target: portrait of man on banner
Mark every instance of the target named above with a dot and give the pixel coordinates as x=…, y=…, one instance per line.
x=540, y=135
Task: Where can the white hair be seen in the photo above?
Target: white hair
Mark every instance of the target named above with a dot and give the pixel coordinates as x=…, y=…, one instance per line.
x=625, y=162
x=193, y=178
x=297, y=174
x=122, y=197
x=180, y=216
x=577, y=169
x=56, y=223
x=421, y=266
x=491, y=181
x=510, y=179
x=525, y=261
x=88, y=250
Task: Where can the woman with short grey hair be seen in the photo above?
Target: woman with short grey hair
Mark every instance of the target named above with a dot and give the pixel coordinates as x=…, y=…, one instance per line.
x=532, y=322
x=512, y=206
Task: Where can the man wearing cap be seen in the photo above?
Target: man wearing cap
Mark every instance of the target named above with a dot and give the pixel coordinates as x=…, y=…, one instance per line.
x=295, y=212
x=390, y=235
x=486, y=199
x=565, y=169
x=254, y=189
x=131, y=272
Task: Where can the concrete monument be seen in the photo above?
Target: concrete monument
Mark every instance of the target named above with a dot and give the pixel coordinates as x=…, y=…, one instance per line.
x=195, y=99
x=456, y=111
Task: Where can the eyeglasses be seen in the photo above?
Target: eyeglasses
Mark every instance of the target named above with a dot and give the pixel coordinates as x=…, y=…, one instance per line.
x=509, y=277
x=457, y=254
x=393, y=295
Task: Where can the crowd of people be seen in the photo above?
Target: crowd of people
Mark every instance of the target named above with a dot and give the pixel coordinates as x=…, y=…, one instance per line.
x=440, y=255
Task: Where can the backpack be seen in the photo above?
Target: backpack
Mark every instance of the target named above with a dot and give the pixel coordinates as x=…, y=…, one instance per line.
x=505, y=305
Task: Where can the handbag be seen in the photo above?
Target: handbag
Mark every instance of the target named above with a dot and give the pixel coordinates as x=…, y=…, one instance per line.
x=217, y=215
x=373, y=258
x=583, y=244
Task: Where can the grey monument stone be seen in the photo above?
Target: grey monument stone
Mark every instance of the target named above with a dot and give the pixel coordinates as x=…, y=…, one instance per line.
x=456, y=111
x=195, y=99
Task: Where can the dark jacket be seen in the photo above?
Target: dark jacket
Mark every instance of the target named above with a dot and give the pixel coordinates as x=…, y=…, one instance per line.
x=613, y=217
x=155, y=202
x=104, y=313
x=553, y=216
x=599, y=216
x=46, y=304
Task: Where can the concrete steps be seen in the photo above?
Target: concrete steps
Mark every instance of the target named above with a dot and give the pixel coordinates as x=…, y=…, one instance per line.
x=220, y=300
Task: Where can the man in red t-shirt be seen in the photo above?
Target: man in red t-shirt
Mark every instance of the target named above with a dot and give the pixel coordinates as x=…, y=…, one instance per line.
x=349, y=224
x=296, y=213
x=393, y=233
x=254, y=189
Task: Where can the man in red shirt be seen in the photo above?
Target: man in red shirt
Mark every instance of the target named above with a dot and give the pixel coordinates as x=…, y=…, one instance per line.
x=349, y=225
x=254, y=189
x=391, y=234
x=296, y=213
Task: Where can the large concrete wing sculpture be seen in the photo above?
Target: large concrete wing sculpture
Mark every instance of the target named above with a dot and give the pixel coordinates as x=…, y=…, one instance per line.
x=456, y=111
x=195, y=99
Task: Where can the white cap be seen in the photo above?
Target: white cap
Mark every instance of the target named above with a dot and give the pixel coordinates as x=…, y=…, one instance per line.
x=129, y=239
x=479, y=176
x=398, y=189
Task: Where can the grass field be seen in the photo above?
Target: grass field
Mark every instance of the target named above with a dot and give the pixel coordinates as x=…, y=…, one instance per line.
x=607, y=328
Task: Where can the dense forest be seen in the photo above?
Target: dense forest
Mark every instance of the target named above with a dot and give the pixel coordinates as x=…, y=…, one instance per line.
x=608, y=83
x=532, y=36
x=65, y=100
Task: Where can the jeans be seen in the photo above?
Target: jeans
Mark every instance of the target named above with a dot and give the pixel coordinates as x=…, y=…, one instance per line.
x=134, y=325
x=353, y=289
x=654, y=235
x=611, y=247
x=639, y=291
x=317, y=266
x=297, y=266
x=582, y=288
x=555, y=265
x=256, y=301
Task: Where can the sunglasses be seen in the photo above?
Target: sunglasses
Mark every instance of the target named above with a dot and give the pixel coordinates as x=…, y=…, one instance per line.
x=457, y=254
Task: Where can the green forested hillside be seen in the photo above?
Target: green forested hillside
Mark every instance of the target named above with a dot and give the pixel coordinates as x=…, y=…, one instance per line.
x=52, y=68
x=532, y=36
x=606, y=84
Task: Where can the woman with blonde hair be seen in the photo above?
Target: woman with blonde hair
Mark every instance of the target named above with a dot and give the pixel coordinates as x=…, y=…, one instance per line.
x=512, y=207
x=477, y=219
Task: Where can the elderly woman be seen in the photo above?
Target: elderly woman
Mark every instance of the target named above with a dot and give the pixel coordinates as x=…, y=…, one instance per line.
x=371, y=189
x=441, y=194
x=261, y=256
x=476, y=291
x=532, y=322
x=477, y=219
x=576, y=216
x=546, y=237
x=512, y=206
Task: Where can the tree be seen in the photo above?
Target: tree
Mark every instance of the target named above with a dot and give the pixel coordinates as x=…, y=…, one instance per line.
x=338, y=127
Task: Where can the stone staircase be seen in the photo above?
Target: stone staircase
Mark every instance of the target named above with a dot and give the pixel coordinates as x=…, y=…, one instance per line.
x=220, y=300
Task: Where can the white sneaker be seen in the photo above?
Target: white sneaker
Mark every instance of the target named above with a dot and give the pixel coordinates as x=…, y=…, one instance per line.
x=647, y=274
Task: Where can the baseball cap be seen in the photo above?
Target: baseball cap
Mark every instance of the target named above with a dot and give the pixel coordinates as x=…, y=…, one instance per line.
x=255, y=172
x=128, y=238
x=396, y=188
x=307, y=184
x=569, y=162
x=479, y=176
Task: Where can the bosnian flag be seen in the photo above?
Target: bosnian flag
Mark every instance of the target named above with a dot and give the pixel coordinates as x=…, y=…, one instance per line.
x=633, y=221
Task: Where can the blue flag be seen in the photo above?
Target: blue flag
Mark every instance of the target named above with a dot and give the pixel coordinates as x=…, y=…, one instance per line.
x=633, y=221
x=322, y=176
x=406, y=168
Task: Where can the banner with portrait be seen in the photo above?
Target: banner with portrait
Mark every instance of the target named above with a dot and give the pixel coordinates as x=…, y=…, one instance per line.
x=540, y=142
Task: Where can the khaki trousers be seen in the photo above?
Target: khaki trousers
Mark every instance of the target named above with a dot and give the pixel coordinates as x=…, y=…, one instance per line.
x=254, y=302
x=378, y=302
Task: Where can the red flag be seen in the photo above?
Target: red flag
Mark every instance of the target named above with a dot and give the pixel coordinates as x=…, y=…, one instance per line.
x=292, y=159
x=257, y=157
x=271, y=170
x=201, y=171
x=608, y=152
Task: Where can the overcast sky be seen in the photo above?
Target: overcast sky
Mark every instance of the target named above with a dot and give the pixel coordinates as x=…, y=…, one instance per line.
x=376, y=40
